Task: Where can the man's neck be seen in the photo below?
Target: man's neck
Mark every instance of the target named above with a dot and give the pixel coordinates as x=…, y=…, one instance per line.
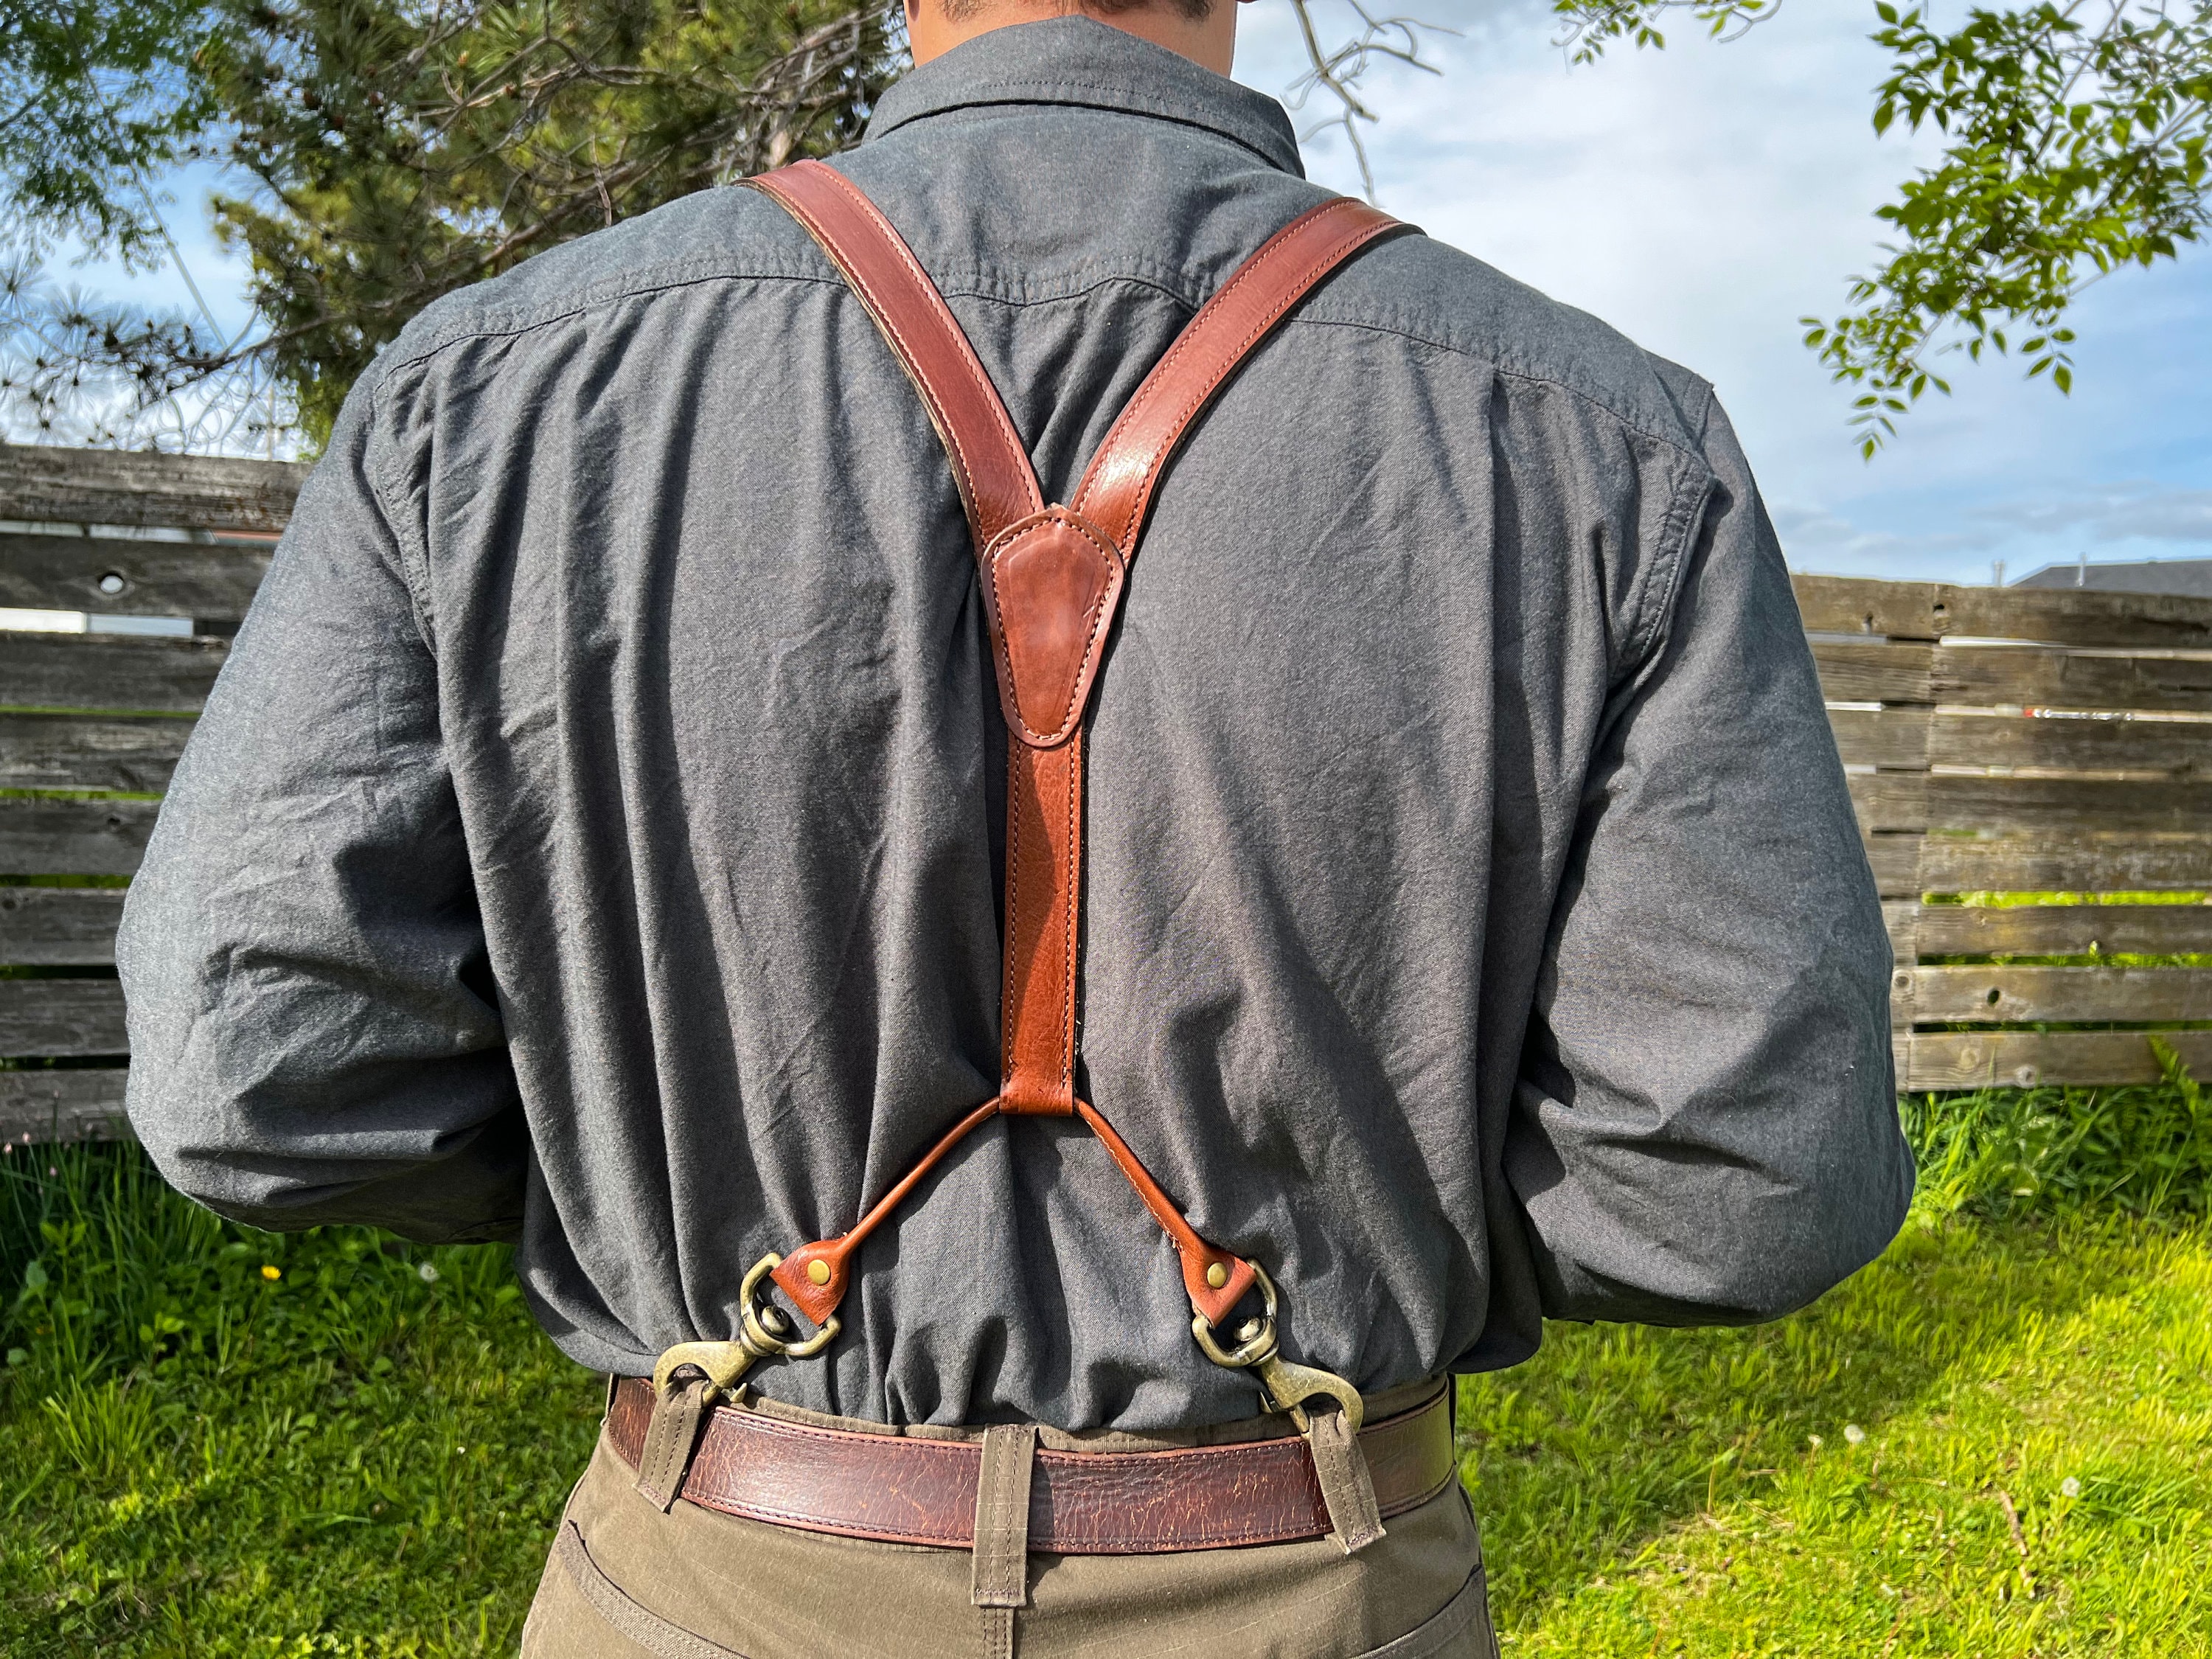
x=1209, y=41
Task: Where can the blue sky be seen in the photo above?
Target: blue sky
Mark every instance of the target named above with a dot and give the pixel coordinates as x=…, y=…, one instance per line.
x=1702, y=199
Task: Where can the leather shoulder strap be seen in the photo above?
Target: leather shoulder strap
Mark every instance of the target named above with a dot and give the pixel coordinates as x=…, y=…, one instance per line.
x=1117, y=487
x=1052, y=582
x=997, y=484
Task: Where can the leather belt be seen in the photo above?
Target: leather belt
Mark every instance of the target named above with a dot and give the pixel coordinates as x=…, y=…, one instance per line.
x=904, y=1490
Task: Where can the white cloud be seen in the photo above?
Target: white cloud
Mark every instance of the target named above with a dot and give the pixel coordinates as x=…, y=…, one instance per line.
x=2126, y=511
x=1703, y=198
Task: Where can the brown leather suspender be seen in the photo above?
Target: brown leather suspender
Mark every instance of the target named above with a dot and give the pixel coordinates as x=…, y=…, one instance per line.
x=1052, y=580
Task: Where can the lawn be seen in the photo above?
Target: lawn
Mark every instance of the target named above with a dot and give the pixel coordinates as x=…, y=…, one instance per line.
x=1996, y=1441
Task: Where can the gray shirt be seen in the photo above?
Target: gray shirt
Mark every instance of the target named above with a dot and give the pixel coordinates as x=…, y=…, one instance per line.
x=593, y=838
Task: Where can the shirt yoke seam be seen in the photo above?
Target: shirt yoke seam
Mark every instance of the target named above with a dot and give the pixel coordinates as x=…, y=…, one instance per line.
x=827, y=276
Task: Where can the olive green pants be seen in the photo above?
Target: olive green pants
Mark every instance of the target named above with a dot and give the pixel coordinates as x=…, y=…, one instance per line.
x=626, y=1581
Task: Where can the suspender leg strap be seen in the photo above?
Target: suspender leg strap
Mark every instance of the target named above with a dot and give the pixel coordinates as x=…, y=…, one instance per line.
x=1052, y=578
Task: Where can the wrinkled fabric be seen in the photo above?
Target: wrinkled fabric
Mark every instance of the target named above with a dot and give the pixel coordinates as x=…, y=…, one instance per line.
x=593, y=839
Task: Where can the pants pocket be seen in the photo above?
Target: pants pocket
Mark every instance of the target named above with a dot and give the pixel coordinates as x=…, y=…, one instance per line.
x=1460, y=1629
x=578, y=1606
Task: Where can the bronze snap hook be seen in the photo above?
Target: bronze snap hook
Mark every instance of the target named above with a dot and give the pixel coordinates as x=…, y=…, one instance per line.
x=1259, y=1349
x=764, y=1332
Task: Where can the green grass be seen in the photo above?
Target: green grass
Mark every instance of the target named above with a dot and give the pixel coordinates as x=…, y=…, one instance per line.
x=363, y=1455
x=1850, y=1481
x=1996, y=1441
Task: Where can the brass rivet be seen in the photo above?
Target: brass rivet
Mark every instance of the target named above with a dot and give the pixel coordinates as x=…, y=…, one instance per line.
x=1217, y=1275
x=819, y=1271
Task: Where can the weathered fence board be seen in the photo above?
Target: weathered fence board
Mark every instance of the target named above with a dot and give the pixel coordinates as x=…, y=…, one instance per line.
x=130, y=577
x=97, y=837
x=1921, y=800
x=63, y=1103
x=2011, y=676
x=1916, y=738
x=1882, y=737
x=114, y=672
x=132, y=753
x=1936, y=611
x=60, y=1018
x=1906, y=865
x=59, y=927
x=2049, y=930
x=2021, y=1060
x=2017, y=996
x=43, y=484
x=2094, y=805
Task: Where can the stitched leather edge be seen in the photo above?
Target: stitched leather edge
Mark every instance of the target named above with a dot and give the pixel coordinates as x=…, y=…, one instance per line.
x=1370, y=226
x=1101, y=615
x=789, y=187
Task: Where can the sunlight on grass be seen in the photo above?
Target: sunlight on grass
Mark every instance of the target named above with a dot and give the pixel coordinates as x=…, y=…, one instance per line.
x=1997, y=1441
x=222, y=1442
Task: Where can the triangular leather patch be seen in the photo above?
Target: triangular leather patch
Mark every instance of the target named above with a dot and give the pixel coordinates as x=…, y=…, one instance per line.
x=1051, y=585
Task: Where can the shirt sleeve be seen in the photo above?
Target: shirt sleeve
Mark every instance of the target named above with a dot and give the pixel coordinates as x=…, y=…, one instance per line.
x=1705, y=1127
x=314, y=1034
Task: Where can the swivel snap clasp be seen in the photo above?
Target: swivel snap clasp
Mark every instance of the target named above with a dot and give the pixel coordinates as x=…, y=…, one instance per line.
x=765, y=1331
x=1259, y=1349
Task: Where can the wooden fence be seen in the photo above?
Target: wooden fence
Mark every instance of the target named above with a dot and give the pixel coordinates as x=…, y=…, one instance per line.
x=2001, y=739
x=2042, y=741
x=91, y=725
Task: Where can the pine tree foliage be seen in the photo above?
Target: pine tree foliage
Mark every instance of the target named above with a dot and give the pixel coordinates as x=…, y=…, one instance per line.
x=384, y=152
x=394, y=150
x=91, y=92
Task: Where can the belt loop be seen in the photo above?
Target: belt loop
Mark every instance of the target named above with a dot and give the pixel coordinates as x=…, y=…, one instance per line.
x=669, y=1439
x=1346, y=1489
x=1002, y=1532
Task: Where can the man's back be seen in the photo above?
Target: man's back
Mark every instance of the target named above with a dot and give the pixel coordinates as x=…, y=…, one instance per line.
x=609, y=786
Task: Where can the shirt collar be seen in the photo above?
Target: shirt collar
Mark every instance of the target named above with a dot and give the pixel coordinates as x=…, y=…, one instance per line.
x=1078, y=60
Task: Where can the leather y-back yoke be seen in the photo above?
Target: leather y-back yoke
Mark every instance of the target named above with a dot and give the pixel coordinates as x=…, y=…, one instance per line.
x=1053, y=577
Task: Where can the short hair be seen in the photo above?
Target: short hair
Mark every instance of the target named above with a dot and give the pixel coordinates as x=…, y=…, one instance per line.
x=961, y=10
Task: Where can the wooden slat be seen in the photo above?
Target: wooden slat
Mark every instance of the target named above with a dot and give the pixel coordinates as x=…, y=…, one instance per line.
x=1890, y=737
x=2019, y=1060
x=73, y=837
x=213, y=580
x=2012, y=996
x=2011, y=675
x=90, y=751
x=112, y=671
x=2180, y=748
x=1935, y=610
x=60, y=1018
x=1908, y=865
x=2048, y=930
x=1916, y=738
x=78, y=1104
x=2000, y=806
x=39, y=484
x=59, y=927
